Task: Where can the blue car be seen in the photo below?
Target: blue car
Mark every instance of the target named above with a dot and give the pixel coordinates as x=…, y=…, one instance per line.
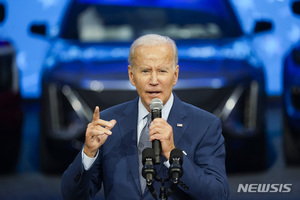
x=87, y=66
x=291, y=101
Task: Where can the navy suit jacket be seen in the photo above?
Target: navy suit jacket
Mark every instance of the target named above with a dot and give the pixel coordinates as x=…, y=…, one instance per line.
x=116, y=166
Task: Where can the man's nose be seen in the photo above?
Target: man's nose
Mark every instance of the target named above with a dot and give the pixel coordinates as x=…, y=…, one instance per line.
x=153, y=79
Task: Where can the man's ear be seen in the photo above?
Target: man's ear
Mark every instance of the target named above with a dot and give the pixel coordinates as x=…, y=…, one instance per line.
x=176, y=73
x=130, y=74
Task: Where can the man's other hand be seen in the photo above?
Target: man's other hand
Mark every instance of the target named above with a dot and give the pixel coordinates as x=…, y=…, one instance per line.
x=96, y=133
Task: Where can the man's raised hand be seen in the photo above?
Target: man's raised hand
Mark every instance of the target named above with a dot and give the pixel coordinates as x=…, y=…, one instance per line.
x=96, y=133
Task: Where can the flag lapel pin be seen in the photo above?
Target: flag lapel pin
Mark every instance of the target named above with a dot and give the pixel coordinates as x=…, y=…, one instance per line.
x=179, y=125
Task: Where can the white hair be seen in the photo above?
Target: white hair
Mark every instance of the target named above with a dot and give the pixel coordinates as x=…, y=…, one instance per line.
x=152, y=40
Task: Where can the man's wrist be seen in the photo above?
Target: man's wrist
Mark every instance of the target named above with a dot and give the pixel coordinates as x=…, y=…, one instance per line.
x=88, y=161
x=89, y=153
x=167, y=155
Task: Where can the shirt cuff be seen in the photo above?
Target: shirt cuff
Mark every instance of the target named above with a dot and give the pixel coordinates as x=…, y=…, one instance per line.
x=167, y=163
x=87, y=161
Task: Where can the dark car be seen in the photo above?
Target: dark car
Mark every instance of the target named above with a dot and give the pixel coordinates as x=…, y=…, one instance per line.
x=291, y=100
x=87, y=66
x=11, y=115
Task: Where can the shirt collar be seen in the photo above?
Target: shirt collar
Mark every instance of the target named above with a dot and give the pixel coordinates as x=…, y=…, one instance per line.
x=142, y=111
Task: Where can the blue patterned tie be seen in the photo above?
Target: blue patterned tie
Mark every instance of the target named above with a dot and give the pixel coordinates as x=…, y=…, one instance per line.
x=143, y=143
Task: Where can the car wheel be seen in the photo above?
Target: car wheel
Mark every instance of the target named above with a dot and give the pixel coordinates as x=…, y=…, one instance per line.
x=291, y=152
x=247, y=154
x=52, y=156
x=47, y=161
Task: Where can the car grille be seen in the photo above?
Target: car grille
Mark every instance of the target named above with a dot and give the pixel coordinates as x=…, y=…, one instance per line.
x=72, y=108
x=106, y=99
x=207, y=98
x=295, y=96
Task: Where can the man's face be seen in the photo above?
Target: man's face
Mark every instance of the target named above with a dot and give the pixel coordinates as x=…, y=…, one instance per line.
x=153, y=73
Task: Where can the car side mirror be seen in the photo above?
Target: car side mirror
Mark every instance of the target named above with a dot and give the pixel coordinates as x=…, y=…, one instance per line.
x=262, y=26
x=39, y=29
x=2, y=12
x=296, y=7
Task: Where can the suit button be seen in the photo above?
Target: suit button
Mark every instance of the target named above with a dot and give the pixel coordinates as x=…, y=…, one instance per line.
x=76, y=179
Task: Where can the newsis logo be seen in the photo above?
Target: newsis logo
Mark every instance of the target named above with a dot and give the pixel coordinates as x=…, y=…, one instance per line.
x=264, y=188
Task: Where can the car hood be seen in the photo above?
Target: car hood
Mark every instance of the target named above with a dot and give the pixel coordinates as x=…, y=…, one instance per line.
x=209, y=63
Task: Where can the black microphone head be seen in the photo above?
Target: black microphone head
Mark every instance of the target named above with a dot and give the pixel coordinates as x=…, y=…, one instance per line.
x=147, y=153
x=156, y=104
x=176, y=153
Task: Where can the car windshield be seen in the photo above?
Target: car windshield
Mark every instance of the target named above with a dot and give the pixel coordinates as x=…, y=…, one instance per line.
x=98, y=21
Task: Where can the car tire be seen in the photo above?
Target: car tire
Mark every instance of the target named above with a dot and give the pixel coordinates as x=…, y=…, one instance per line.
x=55, y=155
x=11, y=123
x=247, y=154
x=47, y=162
x=291, y=152
x=52, y=157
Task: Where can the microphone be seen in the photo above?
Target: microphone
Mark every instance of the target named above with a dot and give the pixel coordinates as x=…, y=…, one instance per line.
x=156, y=106
x=175, y=170
x=148, y=171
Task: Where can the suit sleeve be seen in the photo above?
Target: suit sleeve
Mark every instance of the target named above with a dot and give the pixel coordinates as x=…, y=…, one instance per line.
x=78, y=183
x=205, y=172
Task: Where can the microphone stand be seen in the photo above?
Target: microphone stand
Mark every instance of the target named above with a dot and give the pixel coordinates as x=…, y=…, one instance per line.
x=162, y=193
x=172, y=189
x=174, y=168
x=152, y=190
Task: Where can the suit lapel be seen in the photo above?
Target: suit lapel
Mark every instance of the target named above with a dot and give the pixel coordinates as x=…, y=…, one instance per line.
x=128, y=131
x=178, y=120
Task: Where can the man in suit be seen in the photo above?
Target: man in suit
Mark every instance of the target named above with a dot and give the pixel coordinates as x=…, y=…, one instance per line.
x=110, y=154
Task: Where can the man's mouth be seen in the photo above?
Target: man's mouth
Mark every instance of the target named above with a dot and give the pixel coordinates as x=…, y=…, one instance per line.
x=154, y=93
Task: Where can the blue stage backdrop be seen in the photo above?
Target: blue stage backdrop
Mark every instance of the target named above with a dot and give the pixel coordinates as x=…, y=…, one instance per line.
x=31, y=50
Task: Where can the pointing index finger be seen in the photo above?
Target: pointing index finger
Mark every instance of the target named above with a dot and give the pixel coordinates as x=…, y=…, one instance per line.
x=96, y=114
